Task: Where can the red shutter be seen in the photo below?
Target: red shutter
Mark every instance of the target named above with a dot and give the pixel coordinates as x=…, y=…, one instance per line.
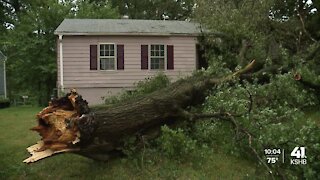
x=93, y=57
x=144, y=56
x=120, y=56
x=170, y=57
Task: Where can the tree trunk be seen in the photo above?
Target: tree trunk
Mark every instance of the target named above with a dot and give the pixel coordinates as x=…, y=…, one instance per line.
x=68, y=125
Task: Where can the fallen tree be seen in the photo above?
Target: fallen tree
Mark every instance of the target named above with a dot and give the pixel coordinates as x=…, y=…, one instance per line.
x=69, y=125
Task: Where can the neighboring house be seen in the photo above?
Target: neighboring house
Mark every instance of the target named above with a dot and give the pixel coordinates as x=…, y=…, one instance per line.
x=102, y=57
x=3, y=86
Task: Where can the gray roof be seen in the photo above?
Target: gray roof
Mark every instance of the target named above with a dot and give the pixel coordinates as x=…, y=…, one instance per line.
x=127, y=27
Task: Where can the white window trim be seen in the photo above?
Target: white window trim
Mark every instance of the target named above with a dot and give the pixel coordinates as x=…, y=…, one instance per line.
x=115, y=57
x=165, y=57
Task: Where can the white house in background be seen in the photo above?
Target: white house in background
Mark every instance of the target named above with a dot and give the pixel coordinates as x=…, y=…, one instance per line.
x=101, y=57
x=3, y=85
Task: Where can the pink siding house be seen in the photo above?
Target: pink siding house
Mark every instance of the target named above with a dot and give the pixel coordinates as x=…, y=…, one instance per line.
x=102, y=57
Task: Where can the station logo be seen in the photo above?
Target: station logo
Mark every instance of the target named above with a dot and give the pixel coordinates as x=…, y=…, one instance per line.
x=298, y=156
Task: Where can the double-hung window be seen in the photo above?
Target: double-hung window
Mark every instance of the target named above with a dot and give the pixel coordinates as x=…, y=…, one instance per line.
x=107, y=57
x=157, y=58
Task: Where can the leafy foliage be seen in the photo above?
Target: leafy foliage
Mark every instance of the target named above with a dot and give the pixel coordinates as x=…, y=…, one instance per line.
x=85, y=9
x=176, y=144
x=238, y=37
x=276, y=120
x=31, y=50
x=156, y=9
x=144, y=87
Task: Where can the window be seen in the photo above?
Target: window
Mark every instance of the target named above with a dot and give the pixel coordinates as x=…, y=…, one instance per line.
x=157, y=58
x=107, y=57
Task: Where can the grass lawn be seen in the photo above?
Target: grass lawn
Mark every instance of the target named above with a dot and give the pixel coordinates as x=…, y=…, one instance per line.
x=15, y=137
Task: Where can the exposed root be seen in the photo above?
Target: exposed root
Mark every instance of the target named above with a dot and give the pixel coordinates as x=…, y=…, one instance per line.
x=57, y=125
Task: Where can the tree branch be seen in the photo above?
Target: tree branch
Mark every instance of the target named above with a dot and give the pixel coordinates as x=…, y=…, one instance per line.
x=230, y=118
x=306, y=83
x=245, y=45
x=304, y=28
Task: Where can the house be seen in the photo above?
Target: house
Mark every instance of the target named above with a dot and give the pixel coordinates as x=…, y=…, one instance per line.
x=3, y=85
x=101, y=57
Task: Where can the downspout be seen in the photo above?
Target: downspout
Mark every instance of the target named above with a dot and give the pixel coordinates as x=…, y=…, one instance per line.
x=61, y=64
x=5, y=78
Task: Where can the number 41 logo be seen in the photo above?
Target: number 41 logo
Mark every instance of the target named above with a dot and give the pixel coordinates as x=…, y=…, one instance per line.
x=299, y=152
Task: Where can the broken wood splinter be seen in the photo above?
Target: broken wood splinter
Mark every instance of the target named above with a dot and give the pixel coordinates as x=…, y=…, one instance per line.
x=57, y=125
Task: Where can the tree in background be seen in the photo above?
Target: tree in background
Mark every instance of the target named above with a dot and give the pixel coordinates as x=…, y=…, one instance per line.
x=155, y=9
x=94, y=10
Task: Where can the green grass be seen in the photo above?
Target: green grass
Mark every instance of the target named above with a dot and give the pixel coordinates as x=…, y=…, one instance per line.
x=16, y=136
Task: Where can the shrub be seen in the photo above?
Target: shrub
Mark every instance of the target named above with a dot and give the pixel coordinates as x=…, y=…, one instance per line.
x=4, y=102
x=175, y=143
x=146, y=86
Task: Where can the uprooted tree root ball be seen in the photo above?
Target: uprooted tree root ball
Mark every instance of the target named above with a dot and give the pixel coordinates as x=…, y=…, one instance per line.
x=60, y=126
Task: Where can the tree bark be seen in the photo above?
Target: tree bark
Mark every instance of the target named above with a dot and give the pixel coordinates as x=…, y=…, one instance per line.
x=68, y=124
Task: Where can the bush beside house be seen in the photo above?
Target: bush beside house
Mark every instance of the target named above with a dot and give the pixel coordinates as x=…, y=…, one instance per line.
x=4, y=102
